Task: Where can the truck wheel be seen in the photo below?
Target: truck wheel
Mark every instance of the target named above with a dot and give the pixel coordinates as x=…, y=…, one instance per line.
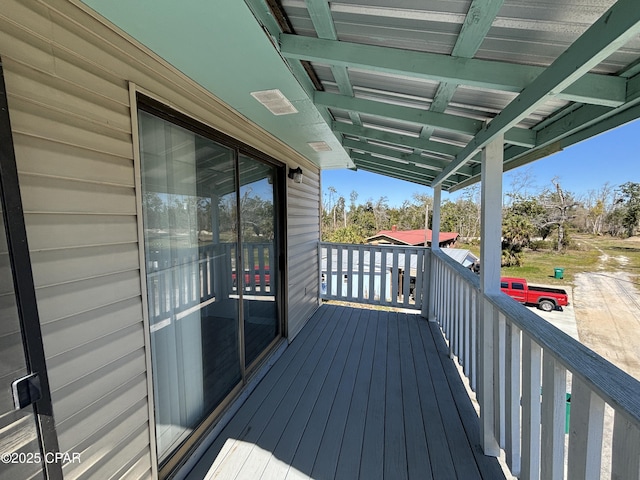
x=546, y=306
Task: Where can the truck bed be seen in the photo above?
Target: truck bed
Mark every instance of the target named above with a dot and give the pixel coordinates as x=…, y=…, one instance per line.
x=537, y=288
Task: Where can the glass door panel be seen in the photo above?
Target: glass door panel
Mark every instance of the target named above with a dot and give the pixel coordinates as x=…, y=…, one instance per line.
x=212, y=272
x=190, y=232
x=258, y=234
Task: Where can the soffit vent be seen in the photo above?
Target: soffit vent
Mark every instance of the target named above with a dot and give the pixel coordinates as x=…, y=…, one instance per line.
x=320, y=146
x=275, y=102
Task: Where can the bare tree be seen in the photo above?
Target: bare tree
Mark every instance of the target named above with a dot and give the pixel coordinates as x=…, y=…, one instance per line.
x=558, y=205
x=598, y=204
x=521, y=185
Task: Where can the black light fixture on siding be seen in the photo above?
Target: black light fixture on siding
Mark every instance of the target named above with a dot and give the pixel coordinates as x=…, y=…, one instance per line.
x=295, y=174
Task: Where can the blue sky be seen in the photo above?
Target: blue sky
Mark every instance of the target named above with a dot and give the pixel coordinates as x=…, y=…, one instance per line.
x=612, y=157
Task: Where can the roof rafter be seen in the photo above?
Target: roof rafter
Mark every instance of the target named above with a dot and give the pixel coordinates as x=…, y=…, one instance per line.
x=474, y=29
x=593, y=88
x=320, y=14
x=435, y=166
x=366, y=161
x=443, y=121
x=397, y=139
x=385, y=166
x=611, y=31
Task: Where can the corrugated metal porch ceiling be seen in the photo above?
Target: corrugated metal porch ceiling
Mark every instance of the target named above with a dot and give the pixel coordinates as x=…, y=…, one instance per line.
x=414, y=89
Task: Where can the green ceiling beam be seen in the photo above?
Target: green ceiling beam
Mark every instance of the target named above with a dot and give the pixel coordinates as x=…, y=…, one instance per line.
x=476, y=25
x=580, y=124
x=426, y=163
x=409, y=171
x=377, y=165
x=442, y=121
x=418, y=116
x=436, y=166
x=593, y=88
x=321, y=17
x=609, y=33
x=322, y=20
x=390, y=168
x=397, y=139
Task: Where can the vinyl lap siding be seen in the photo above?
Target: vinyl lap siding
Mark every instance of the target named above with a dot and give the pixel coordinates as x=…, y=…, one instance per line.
x=303, y=225
x=67, y=77
x=72, y=134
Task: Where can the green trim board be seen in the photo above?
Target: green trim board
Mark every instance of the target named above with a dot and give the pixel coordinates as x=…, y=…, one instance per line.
x=445, y=149
x=489, y=74
x=605, y=36
x=442, y=121
x=222, y=47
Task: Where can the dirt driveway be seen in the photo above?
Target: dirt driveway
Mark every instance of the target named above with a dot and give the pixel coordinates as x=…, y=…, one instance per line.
x=607, y=309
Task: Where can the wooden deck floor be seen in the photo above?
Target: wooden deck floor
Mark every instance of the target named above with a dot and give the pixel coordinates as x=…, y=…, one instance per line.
x=358, y=394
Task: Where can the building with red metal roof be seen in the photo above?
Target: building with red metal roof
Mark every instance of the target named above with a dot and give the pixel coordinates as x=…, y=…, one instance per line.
x=412, y=237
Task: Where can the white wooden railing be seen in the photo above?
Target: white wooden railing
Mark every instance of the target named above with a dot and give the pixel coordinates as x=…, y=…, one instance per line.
x=181, y=280
x=521, y=368
x=374, y=274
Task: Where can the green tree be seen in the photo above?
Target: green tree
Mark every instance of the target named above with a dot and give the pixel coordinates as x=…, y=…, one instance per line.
x=351, y=234
x=630, y=198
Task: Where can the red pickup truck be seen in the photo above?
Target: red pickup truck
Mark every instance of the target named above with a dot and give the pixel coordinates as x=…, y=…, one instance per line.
x=544, y=298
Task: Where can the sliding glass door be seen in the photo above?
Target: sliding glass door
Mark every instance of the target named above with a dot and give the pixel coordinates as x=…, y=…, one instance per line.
x=210, y=226
x=259, y=245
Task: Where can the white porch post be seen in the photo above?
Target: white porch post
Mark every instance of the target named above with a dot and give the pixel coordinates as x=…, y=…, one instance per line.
x=435, y=245
x=490, y=254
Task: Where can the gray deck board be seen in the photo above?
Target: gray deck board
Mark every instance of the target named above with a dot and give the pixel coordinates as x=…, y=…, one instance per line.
x=418, y=464
x=359, y=394
x=348, y=466
x=327, y=430
x=372, y=458
x=439, y=453
x=395, y=444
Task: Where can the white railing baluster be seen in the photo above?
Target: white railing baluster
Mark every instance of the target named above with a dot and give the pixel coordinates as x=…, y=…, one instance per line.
x=499, y=396
x=531, y=374
x=340, y=293
x=625, y=459
x=554, y=387
x=585, y=432
x=349, y=274
x=383, y=275
x=361, y=263
x=453, y=316
x=486, y=378
x=418, y=288
x=503, y=348
x=406, y=279
x=473, y=366
x=448, y=301
x=512, y=398
x=458, y=316
x=330, y=269
x=373, y=261
x=464, y=352
x=443, y=297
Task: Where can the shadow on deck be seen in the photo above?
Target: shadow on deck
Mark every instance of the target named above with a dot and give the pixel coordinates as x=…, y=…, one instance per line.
x=358, y=394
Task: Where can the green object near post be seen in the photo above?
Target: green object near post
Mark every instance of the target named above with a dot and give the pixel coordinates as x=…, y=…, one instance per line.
x=559, y=273
x=568, y=413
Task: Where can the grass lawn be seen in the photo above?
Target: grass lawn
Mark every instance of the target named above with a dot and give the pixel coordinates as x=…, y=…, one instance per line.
x=590, y=253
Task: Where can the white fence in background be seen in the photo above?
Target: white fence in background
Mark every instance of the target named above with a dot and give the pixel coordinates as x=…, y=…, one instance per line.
x=373, y=274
